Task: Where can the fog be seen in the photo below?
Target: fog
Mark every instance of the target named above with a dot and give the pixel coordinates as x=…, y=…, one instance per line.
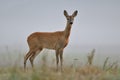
x=97, y=24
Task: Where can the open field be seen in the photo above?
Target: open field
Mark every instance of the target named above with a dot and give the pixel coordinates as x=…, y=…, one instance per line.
x=69, y=73
x=43, y=71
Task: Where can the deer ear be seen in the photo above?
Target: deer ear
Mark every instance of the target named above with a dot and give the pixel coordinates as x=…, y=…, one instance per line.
x=65, y=13
x=75, y=13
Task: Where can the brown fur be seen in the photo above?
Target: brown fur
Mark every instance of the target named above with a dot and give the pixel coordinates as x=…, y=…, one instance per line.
x=51, y=40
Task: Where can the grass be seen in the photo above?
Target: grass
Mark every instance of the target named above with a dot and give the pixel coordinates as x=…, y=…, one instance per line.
x=85, y=72
x=82, y=73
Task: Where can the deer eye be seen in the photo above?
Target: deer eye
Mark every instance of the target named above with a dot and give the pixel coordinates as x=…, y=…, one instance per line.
x=68, y=19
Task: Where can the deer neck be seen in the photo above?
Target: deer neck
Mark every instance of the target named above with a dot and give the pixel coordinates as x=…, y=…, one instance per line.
x=67, y=30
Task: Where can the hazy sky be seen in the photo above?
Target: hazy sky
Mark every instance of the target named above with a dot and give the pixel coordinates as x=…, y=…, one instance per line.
x=97, y=22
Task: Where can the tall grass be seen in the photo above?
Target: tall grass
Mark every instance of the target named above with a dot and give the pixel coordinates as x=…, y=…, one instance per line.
x=76, y=72
x=90, y=57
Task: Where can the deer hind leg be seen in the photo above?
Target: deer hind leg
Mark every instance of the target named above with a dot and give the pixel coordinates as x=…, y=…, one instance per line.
x=32, y=57
x=26, y=58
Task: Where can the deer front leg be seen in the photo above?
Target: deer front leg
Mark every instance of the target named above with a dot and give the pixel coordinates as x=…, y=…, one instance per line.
x=61, y=58
x=57, y=59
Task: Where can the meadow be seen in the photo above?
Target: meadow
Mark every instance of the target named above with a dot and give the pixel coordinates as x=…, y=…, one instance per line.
x=45, y=71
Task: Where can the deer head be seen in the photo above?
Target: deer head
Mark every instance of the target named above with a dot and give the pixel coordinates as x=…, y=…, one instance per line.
x=70, y=18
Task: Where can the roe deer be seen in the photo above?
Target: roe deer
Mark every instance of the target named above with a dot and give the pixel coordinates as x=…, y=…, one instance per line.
x=51, y=40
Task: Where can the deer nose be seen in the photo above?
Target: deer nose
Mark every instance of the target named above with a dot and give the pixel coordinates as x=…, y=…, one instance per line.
x=71, y=22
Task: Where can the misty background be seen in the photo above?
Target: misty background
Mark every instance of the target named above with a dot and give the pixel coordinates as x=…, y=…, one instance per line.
x=97, y=25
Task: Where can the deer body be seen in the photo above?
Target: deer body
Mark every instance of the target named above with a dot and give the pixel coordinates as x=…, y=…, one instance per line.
x=51, y=40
